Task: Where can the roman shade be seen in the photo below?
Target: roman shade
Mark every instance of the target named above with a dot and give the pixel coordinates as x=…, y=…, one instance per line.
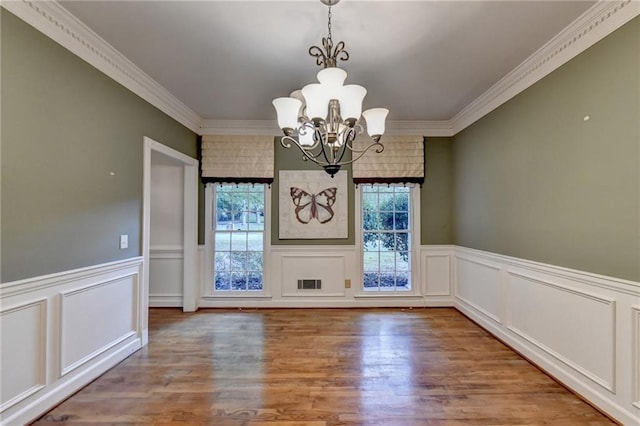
x=236, y=159
x=402, y=161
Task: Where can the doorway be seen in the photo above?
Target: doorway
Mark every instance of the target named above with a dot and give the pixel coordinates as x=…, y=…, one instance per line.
x=169, y=229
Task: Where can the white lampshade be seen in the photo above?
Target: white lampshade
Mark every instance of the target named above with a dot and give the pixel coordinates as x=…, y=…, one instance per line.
x=375, y=118
x=317, y=100
x=351, y=97
x=332, y=76
x=297, y=94
x=305, y=137
x=287, y=110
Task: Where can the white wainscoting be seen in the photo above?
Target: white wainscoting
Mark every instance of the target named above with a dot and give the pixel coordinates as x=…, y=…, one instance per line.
x=581, y=328
x=333, y=265
x=585, y=339
x=635, y=315
x=478, y=285
x=327, y=268
x=166, y=273
x=61, y=331
x=24, y=367
x=437, y=274
x=84, y=333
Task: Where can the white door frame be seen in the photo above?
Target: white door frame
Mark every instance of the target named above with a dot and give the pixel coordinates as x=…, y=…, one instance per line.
x=190, y=241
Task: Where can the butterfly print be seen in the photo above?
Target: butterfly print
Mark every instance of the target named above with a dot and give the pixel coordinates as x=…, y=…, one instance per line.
x=310, y=206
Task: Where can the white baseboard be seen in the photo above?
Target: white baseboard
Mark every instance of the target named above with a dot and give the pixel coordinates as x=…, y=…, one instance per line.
x=364, y=302
x=165, y=300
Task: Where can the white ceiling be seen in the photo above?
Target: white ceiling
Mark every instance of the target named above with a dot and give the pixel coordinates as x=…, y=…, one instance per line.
x=424, y=60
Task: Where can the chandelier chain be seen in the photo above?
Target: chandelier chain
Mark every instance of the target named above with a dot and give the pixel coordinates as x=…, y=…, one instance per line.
x=329, y=24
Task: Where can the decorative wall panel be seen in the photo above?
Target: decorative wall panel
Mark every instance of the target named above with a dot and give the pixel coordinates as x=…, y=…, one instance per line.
x=96, y=318
x=437, y=274
x=329, y=269
x=23, y=338
x=478, y=285
x=576, y=327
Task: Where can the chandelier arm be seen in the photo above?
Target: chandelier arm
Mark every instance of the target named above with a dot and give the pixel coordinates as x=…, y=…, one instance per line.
x=322, y=135
x=284, y=141
x=344, y=151
x=307, y=155
x=379, y=149
x=358, y=151
x=349, y=136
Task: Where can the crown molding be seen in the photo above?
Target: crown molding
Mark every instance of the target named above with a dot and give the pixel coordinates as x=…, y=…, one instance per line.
x=269, y=127
x=56, y=22
x=53, y=20
x=592, y=26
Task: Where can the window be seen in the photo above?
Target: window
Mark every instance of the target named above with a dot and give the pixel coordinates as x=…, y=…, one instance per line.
x=238, y=237
x=386, y=237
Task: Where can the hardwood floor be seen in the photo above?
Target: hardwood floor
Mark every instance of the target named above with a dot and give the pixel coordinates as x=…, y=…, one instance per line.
x=323, y=367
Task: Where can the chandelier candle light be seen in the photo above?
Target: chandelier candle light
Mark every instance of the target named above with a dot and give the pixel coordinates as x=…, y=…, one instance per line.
x=323, y=119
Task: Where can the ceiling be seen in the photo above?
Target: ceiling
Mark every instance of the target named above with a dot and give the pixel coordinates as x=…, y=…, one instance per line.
x=424, y=60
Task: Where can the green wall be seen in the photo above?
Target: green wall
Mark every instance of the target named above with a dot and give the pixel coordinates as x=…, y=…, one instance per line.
x=534, y=180
x=65, y=128
x=436, y=195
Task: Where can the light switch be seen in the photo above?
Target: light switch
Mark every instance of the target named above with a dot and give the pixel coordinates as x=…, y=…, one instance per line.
x=124, y=242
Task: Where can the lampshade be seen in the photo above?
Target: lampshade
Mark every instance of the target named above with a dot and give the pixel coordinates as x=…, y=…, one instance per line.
x=375, y=118
x=305, y=136
x=317, y=100
x=297, y=94
x=334, y=77
x=351, y=97
x=287, y=110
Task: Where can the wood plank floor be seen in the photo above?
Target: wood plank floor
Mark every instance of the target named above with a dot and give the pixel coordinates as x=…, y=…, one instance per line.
x=323, y=367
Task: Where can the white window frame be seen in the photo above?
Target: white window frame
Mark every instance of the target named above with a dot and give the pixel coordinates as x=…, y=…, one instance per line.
x=414, y=223
x=208, y=289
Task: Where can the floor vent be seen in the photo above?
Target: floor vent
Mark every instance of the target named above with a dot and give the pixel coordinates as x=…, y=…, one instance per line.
x=309, y=284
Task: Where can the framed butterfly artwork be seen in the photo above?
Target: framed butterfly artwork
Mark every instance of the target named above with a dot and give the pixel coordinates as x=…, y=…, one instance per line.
x=312, y=204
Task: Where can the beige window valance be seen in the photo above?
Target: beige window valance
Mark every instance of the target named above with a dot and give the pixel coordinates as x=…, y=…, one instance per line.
x=402, y=161
x=235, y=159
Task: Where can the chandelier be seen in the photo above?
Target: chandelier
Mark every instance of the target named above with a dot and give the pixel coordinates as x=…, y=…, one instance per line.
x=323, y=119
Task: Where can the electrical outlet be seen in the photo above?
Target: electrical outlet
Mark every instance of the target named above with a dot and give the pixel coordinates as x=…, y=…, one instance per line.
x=124, y=242
x=347, y=283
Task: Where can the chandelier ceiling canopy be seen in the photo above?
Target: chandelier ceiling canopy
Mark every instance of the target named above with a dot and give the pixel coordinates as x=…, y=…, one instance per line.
x=323, y=119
